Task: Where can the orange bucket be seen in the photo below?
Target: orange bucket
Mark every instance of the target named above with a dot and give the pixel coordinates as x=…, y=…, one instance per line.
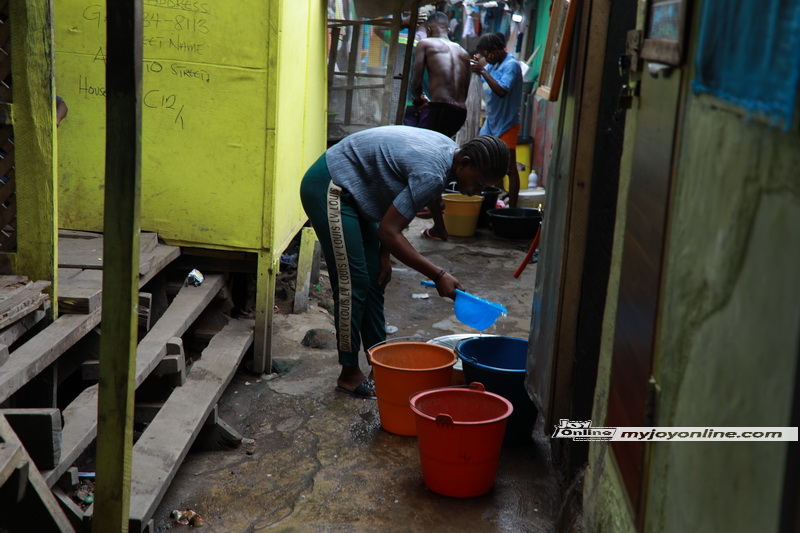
x=405, y=368
x=460, y=432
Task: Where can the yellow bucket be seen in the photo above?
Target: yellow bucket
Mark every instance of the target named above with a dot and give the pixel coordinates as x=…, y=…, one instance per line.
x=461, y=214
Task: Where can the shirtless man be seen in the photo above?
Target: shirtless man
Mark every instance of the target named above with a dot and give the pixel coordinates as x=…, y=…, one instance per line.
x=448, y=84
x=448, y=77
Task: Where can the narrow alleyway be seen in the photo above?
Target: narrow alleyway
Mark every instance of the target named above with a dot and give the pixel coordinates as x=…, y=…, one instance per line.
x=320, y=460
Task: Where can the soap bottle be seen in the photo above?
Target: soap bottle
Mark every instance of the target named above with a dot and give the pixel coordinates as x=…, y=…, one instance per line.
x=533, y=180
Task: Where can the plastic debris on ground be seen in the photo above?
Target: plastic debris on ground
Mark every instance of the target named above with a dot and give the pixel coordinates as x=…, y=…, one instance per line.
x=195, y=278
x=83, y=493
x=391, y=330
x=421, y=296
x=289, y=259
x=187, y=518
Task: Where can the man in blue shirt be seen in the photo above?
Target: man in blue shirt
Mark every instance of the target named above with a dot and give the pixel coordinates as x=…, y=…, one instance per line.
x=503, y=94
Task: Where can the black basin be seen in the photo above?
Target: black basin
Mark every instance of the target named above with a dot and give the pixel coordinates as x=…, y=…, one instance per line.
x=515, y=222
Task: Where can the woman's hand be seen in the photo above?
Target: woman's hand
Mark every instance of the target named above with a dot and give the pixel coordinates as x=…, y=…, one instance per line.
x=447, y=285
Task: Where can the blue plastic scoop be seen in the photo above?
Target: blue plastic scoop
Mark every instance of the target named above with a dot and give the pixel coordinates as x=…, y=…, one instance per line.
x=473, y=311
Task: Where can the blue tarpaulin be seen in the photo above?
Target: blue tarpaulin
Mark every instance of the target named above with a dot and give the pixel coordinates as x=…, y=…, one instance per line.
x=749, y=54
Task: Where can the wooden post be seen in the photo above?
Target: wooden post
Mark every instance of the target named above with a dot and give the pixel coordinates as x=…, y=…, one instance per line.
x=332, y=55
x=265, y=309
x=352, y=66
x=388, y=80
x=34, y=135
x=121, y=265
x=412, y=27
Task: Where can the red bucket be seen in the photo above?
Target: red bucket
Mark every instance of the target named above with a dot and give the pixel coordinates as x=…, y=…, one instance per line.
x=460, y=433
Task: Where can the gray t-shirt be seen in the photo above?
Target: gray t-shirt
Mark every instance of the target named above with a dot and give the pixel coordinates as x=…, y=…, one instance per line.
x=392, y=165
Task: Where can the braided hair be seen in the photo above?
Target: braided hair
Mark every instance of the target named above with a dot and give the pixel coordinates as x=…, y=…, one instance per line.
x=489, y=154
x=490, y=42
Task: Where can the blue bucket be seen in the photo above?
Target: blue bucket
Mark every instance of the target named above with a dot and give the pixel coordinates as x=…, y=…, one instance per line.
x=499, y=363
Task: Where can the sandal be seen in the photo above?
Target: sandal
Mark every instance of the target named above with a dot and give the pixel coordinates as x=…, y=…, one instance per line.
x=365, y=390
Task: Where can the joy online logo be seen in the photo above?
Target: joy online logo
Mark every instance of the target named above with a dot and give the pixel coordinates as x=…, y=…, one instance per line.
x=581, y=430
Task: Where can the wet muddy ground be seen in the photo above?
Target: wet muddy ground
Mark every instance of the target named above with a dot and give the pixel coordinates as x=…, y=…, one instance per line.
x=319, y=460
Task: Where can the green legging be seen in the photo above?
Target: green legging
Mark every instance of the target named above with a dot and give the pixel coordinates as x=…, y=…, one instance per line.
x=351, y=247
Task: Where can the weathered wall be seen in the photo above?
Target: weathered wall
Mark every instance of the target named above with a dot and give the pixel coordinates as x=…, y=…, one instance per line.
x=727, y=349
x=730, y=322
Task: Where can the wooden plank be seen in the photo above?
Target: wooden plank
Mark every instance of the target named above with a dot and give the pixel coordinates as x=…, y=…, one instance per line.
x=80, y=253
x=78, y=300
x=22, y=301
x=173, y=364
x=182, y=312
x=11, y=334
x=68, y=273
x=80, y=416
x=37, y=488
x=87, y=284
x=147, y=242
x=77, y=234
x=89, y=278
x=80, y=429
x=13, y=282
x=42, y=350
x=216, y=434
x=3, y=353
x=76, y=515
x=144, y=307
x=24, y=308
x=39, y=430
x=163, y=446
x=88, y=253
x=13, y=293
x=11, y=457
x=163, y=255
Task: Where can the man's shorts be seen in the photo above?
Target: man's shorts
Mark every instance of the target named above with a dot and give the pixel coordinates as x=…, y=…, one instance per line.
x=510, y=137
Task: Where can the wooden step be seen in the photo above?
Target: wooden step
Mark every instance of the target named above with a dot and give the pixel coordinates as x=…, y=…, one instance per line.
x=39, y=429
x=20, y=299
x=43, y=511
x=27, y=361
x=80, y=416
x=80, y=289
x=12, y=333
x=162, y=447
